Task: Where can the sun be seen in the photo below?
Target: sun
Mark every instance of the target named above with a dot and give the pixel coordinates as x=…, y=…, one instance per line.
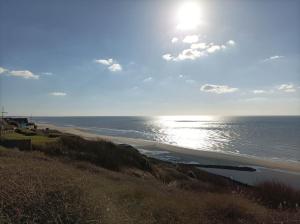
x=189, y=16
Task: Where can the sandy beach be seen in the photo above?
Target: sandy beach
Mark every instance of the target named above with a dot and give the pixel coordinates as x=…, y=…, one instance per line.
x=283, y=171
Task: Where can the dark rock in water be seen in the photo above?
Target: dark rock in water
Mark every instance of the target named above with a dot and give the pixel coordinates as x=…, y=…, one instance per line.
x=225, y=167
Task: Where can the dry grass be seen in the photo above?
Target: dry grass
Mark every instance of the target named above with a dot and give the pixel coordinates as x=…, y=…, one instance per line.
x=102, y=153
x=278, y=195
x=37, y=188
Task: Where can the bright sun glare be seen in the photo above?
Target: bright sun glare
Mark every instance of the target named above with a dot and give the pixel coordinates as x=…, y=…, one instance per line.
x=189, y=16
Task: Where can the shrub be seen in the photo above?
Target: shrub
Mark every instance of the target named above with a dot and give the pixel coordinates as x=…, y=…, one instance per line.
x=99, y=152
x=277, y=195
x=25, y=132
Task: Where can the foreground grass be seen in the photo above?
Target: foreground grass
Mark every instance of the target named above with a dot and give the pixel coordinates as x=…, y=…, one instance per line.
x=38, y=189
x=73, y=180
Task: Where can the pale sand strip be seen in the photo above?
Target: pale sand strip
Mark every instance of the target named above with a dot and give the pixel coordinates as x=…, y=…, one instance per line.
x=217, y=157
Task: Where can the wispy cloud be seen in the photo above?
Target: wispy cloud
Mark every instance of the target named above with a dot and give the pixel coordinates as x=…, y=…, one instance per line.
x=214, y=48
x=23, y=74
x=148, y=79
x=190, y=39
x=288, y=88
x=272, y=58
x=47, y=73
x=104, y=61
x=198, y=50
x=167, y=57
x=190, y=54
x=199, y=46
x=3, y=70
x=26, y=74
x=111, y=64
x=58, y=94
x=218, y=89
x=259, y=91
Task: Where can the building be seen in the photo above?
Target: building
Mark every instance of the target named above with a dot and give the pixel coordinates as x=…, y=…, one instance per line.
x=18, y=122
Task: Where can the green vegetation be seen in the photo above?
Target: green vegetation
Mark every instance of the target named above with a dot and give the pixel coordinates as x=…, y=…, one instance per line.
x=35, y=139
x=73, y=180
x=102, y=153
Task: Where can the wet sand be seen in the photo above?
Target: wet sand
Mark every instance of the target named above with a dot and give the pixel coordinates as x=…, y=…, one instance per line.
x=284, y=171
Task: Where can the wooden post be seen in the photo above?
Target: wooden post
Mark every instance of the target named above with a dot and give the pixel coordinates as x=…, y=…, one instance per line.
x=2, y=121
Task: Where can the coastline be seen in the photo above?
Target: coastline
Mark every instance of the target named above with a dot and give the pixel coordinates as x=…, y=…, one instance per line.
x=274, y=170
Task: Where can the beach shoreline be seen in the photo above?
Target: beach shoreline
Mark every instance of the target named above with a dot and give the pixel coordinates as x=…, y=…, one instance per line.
x=283, y=171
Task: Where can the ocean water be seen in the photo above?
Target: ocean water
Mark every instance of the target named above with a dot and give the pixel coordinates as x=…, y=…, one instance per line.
x=272, y=137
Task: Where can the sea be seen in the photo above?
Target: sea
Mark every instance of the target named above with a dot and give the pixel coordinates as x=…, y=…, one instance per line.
x=270, y=137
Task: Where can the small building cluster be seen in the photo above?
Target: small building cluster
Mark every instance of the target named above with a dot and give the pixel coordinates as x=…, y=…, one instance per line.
x=17, y=122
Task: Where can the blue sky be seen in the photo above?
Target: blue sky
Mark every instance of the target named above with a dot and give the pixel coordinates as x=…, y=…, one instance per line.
x=150, y=57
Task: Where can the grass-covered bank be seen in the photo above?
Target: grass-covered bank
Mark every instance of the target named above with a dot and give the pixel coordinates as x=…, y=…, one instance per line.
x=72, y=180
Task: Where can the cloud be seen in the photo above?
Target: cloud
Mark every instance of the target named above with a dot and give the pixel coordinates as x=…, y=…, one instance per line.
x=190, y=54
x=190, y=39
x=231, y=42
x=186, y=54
x=24, y=74
x=218, y=89
x=275, y=57
x=180, y=76
x=167, y=57
x=58, y=94
x=149, y=79
x=47, y=73
x=259, y=91
x=104, y=61
x=174, y=40
x=199, y=46
x=115, y=67
x=197, y=50
x=288, y=88
x=213, y=48
x=3, y=70
x=111, y=64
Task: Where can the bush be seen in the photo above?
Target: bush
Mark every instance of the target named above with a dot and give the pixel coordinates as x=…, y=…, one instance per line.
x=277, y=195
x=101, y=152
x=25, y=132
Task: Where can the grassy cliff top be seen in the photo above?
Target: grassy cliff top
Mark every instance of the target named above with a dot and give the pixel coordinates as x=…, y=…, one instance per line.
x=74, y=180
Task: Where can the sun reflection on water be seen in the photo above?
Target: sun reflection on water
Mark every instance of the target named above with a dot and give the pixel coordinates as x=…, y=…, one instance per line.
x=196, y=132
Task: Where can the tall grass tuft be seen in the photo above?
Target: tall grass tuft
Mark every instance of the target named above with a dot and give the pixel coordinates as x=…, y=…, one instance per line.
x=277, y=195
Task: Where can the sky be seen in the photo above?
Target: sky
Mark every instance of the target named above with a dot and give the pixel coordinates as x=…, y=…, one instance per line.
x=130, y=57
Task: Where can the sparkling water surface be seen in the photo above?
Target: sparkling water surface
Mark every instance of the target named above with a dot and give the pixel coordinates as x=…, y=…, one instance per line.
x=272, y=137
